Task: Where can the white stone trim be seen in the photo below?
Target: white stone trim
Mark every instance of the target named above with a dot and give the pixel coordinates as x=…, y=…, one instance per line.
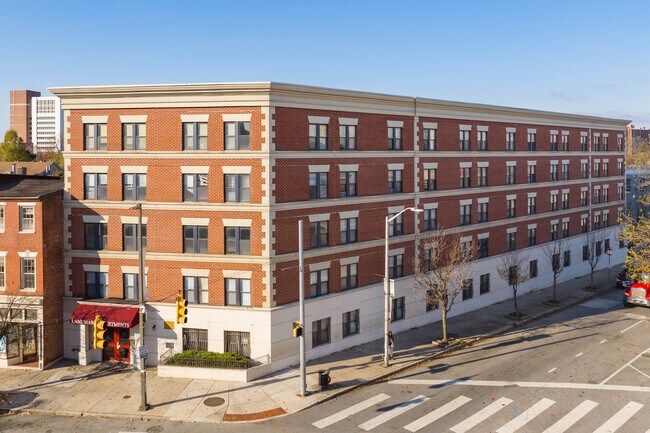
x=395, y=209
x=554, y=162
x=620, y=184
x=3, y=254
x=554, y=132
x=132, y=219
x=597, y=213
x=319, y=168
x=566, y=219
x=464, y=239
x=511, y=163
x=186, y=118
x=318, y=217
x=95, y=268
x=482, y=128
x=619, y=135
x=555, y=222
x=25, y=254
x=465, y=164
x=565, y=132
x=195, y=169
x=246, y=275
x=596, y=134
x=483, y=200
x=429, y=125
x=511, y=197
x=597, y=161
x=565, y=161
x=584, y=161
x=597, y=187
x=348, y=260
x=428, y=206
x=237, y=169
x=236, y=117
x=482, y=236
x=465, y=127
x=395, y=123
x=532, y=226
x=566, y=190
x=94, y=119
x=532, y=162
x=396, y=251
x=584, y=134
x=465, y=202
x=584, y=188
x=195, y=221
x=554, y=192
x=429, y=165
x=619, y=159
x=239, y=222
x=584, y=215
x=605, y=135
x=509, y=129
x=483, y=164
x=136, y=169
x=532, y=131
x=95, y=218
x=348, y=121
x=532, y=194
x=133, y=269
x=511, y=230
x=399, y=166
x=349, y=214
x=348, y=167
x=142, y=118
x=606, y=212
x=606, y=160
x=94, y=169
x=189, y=272
x=319, y=266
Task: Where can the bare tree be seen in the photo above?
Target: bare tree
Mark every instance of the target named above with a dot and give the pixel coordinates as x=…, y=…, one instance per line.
x=593, y=249
x=512, y=270
x=553, y=253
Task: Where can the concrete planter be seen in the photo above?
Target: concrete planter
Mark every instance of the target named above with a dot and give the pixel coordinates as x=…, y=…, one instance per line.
x=232, y=375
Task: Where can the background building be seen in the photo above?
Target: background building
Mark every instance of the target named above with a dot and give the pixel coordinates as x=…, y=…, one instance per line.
x=20, y=113
x=226, y=171
x=46, y=124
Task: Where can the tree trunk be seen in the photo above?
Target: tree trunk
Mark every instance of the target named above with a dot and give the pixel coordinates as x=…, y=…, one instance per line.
x=555, y=288
x=514, y=291
x=592, y=277
x=444, y=324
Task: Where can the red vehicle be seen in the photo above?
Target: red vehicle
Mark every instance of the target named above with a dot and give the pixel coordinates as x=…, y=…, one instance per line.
x=638, y=293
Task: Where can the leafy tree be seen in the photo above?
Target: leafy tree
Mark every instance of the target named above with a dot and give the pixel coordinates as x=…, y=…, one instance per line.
x=13, y=148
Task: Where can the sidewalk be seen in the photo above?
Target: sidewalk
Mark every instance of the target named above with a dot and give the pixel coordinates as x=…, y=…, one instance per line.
x=112, y=390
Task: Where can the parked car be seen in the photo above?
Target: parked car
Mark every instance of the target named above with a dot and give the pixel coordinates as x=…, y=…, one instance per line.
x=638, y=293
x=623, y=281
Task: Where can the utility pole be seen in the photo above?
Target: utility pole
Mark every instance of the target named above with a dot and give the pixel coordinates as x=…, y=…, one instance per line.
x=141, y=311
x=301, y=288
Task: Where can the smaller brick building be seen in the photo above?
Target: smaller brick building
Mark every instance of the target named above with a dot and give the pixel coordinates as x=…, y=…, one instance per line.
x=31, y=248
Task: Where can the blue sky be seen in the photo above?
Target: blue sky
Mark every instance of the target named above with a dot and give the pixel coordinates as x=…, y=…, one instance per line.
x=587, y=57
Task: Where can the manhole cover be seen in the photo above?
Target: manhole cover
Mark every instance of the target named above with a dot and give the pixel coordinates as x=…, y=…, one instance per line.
x=126, y=397
x=67, y=377
x=214, y=401
x=155, y=429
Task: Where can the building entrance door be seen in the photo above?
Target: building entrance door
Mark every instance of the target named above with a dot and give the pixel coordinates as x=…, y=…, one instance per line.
x=118, y=347
x=29, y=340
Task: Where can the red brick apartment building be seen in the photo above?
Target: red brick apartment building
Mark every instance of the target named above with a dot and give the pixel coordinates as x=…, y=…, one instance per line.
x=31, y=263
x=226, y=171
x=20, y=113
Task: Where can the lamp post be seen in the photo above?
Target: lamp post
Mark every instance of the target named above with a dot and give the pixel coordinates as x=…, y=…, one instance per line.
x=141, y=310
x=387, y=283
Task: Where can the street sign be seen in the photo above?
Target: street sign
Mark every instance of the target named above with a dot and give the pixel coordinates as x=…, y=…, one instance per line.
x=144, y=353
x=391, y=287
x=609, y=251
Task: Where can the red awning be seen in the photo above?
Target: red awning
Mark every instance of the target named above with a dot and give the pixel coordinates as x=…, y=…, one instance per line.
x=115, y=316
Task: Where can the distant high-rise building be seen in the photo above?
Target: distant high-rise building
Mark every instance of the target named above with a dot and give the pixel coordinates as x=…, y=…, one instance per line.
x=20, y=113
x=46, y=124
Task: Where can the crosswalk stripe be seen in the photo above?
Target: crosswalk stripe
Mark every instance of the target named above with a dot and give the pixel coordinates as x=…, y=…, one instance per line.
x=481, y=415
x=572, y=417
x=396, y=411
x=526, y=416
x=620, y=418
x=338, y=416
x=437, y=414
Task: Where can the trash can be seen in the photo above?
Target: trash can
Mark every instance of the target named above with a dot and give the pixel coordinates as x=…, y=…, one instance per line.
x=324, y=379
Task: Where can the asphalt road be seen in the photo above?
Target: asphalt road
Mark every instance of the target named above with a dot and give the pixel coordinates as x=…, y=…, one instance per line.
x=586, y=369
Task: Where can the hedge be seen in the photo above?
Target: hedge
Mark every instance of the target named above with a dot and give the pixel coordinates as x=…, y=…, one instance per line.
x=202, y=358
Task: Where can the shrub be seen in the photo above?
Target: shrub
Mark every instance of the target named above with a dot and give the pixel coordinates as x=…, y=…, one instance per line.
x=202, y=358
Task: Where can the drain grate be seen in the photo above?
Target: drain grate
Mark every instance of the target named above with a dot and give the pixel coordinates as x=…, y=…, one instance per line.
x=214, y=401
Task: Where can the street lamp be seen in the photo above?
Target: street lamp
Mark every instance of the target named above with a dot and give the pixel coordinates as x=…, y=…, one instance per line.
x=387, y=283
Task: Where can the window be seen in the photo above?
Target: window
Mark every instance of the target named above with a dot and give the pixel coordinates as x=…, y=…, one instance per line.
x=512, y=241
x=318, y=234
x=238, y=239
x=605, y=144
x=430, y=179
x=583, y=170
x=26, y=218
x=511, y=177
x=430, y=302
x=565, y=171
x=565, y=200
x=195, y=239
x=2, y=272
x=131, y=287
x=554, y=232
x=95, y=136
x=565, y=229
x=465, y=214
x=532, y=173
x=482, y=140
x=565, y=142
x=599, y=248
x=511, y=210
x=319, y=283
x=605, y=168
x=398, y=312
x=510, y=141
x=584, y=225
x=348, y=183
x=96, y=285
x=96, y=236
x=619, y=190
x=465, y=140
x=348, y=230
x=465, y=177
x=532, y=237
x=485, y=284
x=429, y=139
x=195, y=136
x=394, y=138
x=483, y=248
x=396, y=226
x=596, y=169
x=195, y=339
x=585, y=253
x=2, y=218
x=347, y=137
x=607, y=246
x=317, y=136
x=349, y=278
x=567, y=258
x=395, y=266
x=596, y=221
x=350, y=323
x=95, y=186
x=237, y=135
x=27, y=273
x=134, y=136
x=553, y=142
x=237, y=187
x=583, y=143
x=317, y=185
x=320, y=332
x=482, y=176
x=596, y=196
x=606, y=219
x=195, y=289
x=596, y=143
x=554, y=201
x=553, y=172
x=134, y=187
x=532, y=205
x=430, y=219
x=533, y=268
x=238, y=291
x=468, y=289
x=482, y=212
x=619, y=168
x=195, y=187
x=237, y=342
x=583, y=197
x=130, y=237
x=394, y=181
x=532, y=141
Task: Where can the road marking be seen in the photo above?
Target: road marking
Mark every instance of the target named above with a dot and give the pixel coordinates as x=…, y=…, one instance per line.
x=630, y=327
x=552, y=369
x=631, y=366
x=437, y=414
x=339, y=416
x=602, y=341
x=396, y=411
x=625, y=365
x=620, y=418
x=526, y=416
x=481, y=415
x=497, y=383
x=572, y=417
x=579, y=354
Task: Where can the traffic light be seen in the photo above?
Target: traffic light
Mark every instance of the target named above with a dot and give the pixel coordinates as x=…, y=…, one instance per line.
x=181, y=309
x=297, y=329
x=99, y=332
